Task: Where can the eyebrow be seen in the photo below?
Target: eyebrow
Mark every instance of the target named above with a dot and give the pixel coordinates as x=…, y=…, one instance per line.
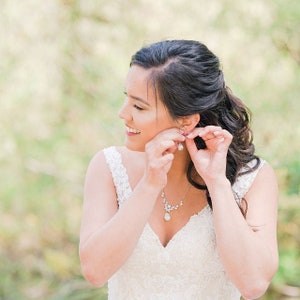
x=138, y=99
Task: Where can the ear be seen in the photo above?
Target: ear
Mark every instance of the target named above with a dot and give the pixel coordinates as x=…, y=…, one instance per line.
x=188, y=123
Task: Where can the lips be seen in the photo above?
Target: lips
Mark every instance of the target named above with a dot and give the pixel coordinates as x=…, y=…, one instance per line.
x=132, y=130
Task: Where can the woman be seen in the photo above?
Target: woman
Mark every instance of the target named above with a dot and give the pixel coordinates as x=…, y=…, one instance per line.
x=185, y=210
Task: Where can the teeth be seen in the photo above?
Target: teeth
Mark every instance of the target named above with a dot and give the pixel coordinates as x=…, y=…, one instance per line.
x=132, y=130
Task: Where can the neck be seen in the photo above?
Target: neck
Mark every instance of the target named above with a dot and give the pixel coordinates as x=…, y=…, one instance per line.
x=177, y=173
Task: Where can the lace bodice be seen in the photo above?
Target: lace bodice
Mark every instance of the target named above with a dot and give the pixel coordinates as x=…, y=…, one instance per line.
x=188, y=268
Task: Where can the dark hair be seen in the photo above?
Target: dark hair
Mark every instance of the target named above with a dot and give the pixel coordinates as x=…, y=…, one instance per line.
x=188, y=80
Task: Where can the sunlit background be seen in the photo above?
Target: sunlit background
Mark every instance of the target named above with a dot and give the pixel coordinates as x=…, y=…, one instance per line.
x=62, y=70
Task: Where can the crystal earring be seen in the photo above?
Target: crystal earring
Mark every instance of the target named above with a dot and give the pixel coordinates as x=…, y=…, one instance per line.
x=180, y=147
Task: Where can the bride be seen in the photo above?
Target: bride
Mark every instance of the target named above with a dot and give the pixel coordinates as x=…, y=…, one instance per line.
x=185, y=209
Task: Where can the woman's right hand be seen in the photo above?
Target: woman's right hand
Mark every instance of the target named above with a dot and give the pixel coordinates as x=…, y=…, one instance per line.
x=159, y=156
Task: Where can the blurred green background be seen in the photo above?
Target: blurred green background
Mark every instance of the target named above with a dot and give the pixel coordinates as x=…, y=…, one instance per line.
x=62, y=70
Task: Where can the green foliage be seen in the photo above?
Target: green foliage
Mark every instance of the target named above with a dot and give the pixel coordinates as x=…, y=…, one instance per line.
x=293, y=177
x=288, y=270
x=62, y=70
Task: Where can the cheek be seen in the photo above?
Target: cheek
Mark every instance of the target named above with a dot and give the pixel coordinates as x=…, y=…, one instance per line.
x=153, y=123
x=147, y=122
x=149, y=128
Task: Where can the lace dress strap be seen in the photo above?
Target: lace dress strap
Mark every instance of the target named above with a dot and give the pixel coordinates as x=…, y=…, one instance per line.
x=244, y=181
x=119, y=174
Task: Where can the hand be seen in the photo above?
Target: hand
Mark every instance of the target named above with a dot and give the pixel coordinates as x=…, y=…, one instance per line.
x=160, y=154
x=210, y=163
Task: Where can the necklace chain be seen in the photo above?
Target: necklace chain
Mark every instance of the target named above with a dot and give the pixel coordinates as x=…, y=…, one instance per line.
x=168, y=207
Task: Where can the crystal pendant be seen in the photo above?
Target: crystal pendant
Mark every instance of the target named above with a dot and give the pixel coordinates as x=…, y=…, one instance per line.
x=167, y=216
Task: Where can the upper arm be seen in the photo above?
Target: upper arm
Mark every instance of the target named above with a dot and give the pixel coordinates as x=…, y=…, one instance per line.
x=262, y=199
x=100, y=201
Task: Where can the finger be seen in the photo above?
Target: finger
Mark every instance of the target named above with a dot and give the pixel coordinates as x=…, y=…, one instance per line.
x=161, y=148
x=191, y=147
x=169, y=147
x=164, y=160
x=165, y=145
x=168, y=140
x=158, y=148
x=198, y=131
x=194, y=133
x=223, y=132
x=173, y=134
x=223, y=135
x=206, y=133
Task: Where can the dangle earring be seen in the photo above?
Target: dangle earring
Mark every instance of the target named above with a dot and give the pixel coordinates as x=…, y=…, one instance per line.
x=180, y=146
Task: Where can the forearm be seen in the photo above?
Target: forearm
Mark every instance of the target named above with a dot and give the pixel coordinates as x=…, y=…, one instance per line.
x=247, y=260
x=109, y=247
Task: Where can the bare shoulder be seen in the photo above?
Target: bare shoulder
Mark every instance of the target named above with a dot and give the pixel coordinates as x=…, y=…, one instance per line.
x=99, y=162
x=265, y=179
x=262, y=197
x=98, y=166
x=98, y=179
x=134, y=163
x=99, y=169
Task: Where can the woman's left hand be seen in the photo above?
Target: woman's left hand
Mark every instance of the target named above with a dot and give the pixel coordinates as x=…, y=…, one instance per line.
x=210, y=163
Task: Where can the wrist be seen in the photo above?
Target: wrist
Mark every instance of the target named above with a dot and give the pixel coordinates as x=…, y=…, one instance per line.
x=150, y=187
x=154, y=181
x=219, y=183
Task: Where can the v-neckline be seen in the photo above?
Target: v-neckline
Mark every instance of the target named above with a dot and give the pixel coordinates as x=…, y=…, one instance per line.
x=178, y=232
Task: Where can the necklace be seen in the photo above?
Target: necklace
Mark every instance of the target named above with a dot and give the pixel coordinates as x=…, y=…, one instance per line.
x=168, y=207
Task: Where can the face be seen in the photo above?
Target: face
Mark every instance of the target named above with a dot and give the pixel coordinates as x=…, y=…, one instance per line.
x=143, y=112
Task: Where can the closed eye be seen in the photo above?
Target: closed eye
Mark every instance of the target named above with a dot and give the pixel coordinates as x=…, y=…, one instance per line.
x=137, y=107
x=139, y=100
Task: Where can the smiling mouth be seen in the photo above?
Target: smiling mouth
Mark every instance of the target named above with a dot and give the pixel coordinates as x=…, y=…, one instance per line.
x=132, y=130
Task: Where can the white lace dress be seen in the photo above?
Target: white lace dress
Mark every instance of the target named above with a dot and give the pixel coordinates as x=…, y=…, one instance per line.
x=188, y=268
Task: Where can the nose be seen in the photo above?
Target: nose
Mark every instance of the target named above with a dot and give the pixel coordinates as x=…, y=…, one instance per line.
x=124, y=112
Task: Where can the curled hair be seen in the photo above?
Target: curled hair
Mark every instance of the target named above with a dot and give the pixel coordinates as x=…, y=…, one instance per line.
x=188, y=80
